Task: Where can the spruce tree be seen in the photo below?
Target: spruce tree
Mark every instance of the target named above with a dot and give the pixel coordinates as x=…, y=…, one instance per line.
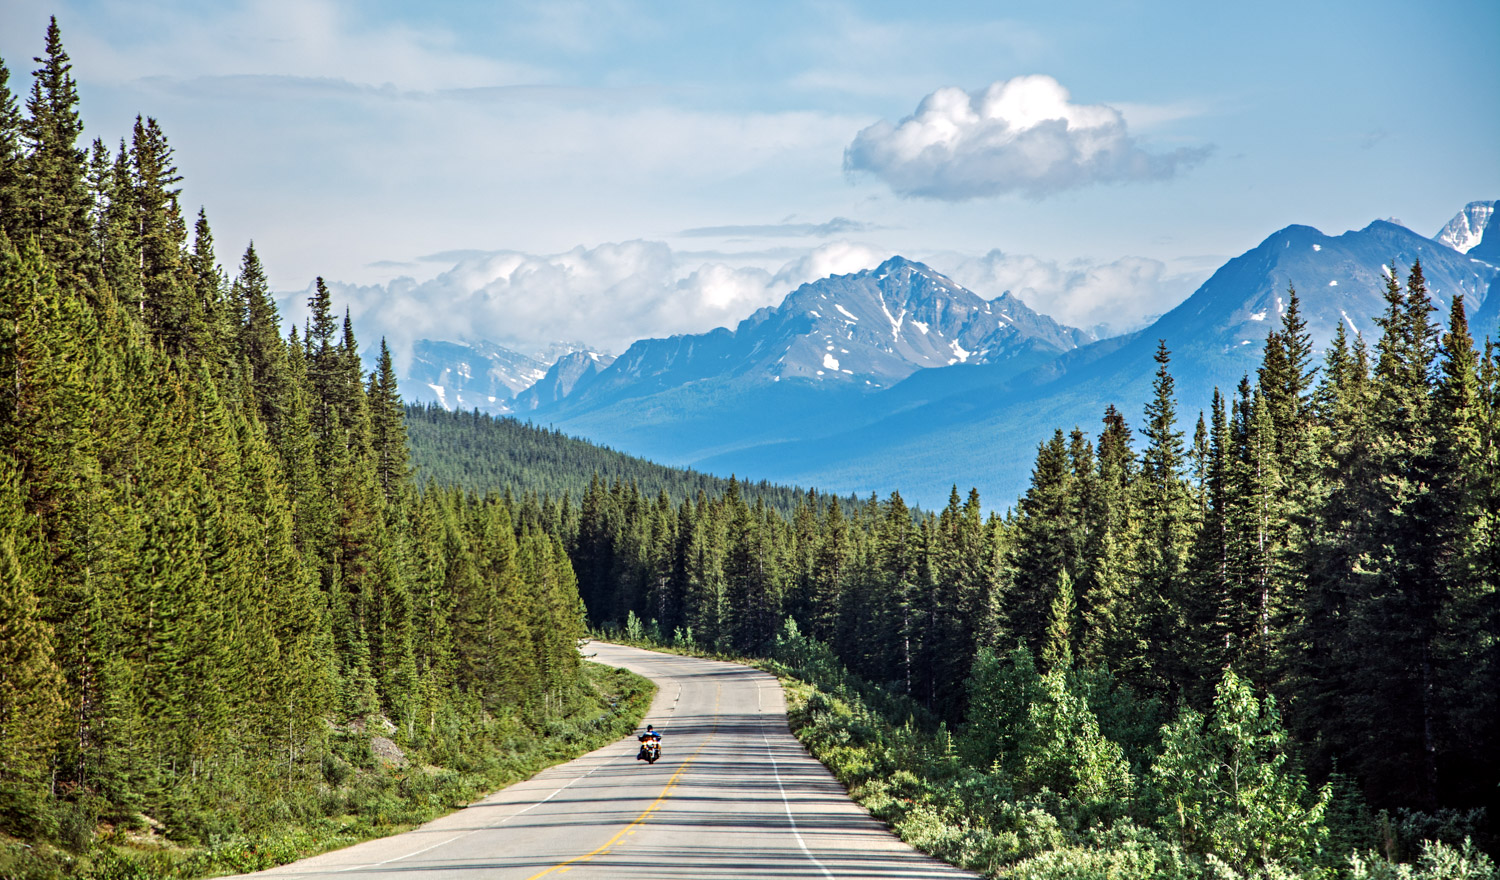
x=208, y=325
x=1046, y=546
x=1463, y=539
x=387, y=428
x=55, y=196
x=829, y=571
x=1165, y=532
x=1108, y=631
x=13, y=211
x=159, y=237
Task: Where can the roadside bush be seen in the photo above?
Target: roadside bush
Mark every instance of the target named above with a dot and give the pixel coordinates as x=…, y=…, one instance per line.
x=1438, y=861
x=1123, y=852
x=1229, y=787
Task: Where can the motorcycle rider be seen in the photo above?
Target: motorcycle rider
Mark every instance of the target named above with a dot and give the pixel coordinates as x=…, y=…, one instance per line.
x=650, y=739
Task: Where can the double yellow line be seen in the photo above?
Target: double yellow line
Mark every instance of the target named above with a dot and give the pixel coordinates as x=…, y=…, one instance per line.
x=645, y=814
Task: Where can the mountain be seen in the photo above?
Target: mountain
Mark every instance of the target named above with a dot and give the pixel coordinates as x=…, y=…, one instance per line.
x=468, y=375
x=808, y=366
x=867, y=330
x=984, y=431
x=897, y=377
x=573, y=371
x=1467, y=229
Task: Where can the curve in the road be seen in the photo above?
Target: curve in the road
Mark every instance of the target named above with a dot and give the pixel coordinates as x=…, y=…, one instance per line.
x=733, y=796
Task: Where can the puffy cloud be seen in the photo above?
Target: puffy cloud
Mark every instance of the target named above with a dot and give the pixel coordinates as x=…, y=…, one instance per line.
x=1021, y=135
x=606, y=296
x=1107, y=298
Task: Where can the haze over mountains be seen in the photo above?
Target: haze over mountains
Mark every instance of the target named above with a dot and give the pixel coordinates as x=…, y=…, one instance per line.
x=898, y=378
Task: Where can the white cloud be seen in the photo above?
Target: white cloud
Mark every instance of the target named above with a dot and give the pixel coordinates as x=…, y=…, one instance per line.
x=610, y=295
x=1020, y=135
x=1105, y=297
x=607, y=296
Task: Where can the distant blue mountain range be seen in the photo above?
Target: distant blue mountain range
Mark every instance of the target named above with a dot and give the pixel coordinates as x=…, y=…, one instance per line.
x=898, y=378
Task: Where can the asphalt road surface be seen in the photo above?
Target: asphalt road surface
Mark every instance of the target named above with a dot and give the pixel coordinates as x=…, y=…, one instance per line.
x=733, y=796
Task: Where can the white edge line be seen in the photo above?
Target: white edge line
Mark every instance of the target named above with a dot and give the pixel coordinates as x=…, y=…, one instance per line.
x=787, y=804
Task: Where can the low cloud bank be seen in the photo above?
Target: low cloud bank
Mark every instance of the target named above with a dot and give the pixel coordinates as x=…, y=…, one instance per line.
x=1107, y=298
x=606, y=296
x=611, y=295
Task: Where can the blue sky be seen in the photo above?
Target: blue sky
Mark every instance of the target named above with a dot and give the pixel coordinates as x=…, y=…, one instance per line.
x=530, y=172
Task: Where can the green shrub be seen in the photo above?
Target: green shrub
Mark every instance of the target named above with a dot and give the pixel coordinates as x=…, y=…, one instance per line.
x=1438, y=861
x=336, y=771
x=1229, y=788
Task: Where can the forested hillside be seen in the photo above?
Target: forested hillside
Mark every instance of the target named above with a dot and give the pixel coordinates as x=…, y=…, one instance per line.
x=1318, y=554
x=217, y=582
x=481, y=453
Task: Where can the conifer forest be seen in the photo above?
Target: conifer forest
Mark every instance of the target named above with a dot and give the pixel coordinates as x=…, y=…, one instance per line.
x=215, y=570
x=1245, y=642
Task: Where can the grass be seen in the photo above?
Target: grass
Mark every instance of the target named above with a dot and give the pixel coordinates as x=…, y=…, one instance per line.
x=355, y=800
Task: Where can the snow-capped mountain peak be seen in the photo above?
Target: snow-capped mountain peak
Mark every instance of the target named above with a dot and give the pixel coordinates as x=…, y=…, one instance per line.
x=1467, y=229
x=880, y=325
x=488, y=377
x=860, y=332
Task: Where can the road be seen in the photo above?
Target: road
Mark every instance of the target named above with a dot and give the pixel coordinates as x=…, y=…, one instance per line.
x=733, y=796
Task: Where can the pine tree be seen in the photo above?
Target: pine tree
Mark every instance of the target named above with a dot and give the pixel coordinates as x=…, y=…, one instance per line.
x=895, y=550
x=387, y=428
x=1378, y=708
x=704, y=575
x=1047, y=545
x=55, y=196
x=159, y=237
x=1257, y=535
x=752, y=578
x=1212, y=596
x=260, y=344
x=13, y=212
x=1165, y=534
x=1108, y=631
x=209, y=326
x=829, y=572
x=1463, y=537
x=1057, y=641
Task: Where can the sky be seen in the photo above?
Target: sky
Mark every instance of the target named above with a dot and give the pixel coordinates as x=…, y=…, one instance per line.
x=595, y=172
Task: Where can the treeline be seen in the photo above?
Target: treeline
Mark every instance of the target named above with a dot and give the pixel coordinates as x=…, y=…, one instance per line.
x=216, y=577
x=1327, y=533
x=481, y=453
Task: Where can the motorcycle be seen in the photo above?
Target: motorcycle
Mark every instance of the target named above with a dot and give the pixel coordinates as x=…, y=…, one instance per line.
x=650, y=751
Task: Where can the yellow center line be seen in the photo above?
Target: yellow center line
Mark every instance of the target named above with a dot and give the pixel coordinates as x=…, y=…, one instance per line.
x=563, y=867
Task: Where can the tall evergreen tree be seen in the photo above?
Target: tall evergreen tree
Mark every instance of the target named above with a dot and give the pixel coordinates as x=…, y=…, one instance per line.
x=1108, y=633
x=55, y=196
x=159, y=237
x=387, y=427
x=13, y=213
x=1165, y=532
